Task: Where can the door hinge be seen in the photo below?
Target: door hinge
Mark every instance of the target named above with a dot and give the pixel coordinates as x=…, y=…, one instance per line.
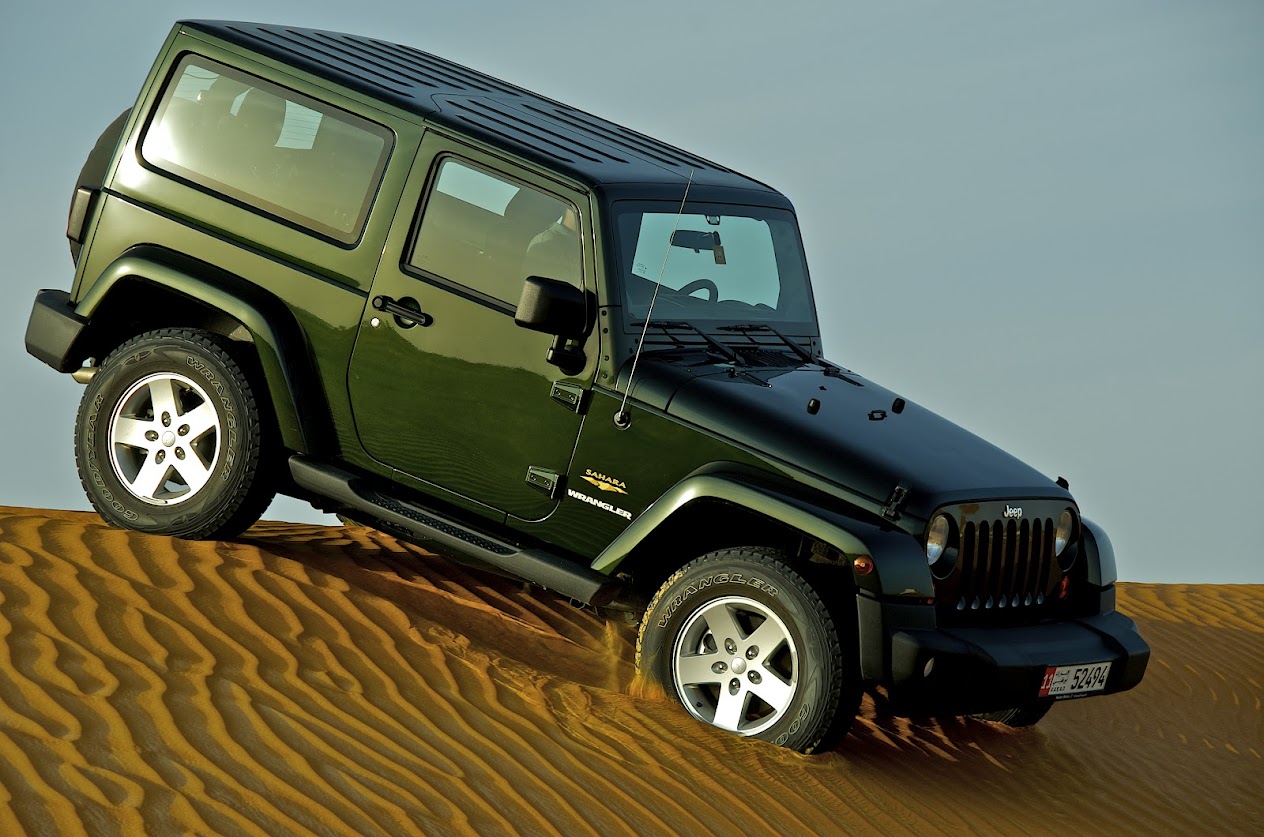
x=544, y=479
x=570, y=396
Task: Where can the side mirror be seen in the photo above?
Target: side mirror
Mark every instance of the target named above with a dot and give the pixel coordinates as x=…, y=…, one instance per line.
x=552, y=307
x=559, y=309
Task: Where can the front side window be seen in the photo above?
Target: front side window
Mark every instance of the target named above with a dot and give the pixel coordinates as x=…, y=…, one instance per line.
x=271, y=148
x=716, y=262
x=490, y=233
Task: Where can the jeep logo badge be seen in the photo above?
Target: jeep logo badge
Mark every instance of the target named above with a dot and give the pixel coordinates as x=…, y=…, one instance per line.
x=1013, y=512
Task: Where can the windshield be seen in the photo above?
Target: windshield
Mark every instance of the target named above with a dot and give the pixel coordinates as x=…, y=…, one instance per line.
x=724, y=263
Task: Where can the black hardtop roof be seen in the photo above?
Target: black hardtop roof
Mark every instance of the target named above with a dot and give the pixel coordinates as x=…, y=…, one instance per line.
x=587, y=147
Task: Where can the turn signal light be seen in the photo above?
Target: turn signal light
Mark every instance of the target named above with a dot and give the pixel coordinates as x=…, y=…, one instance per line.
x=862, y=564
x=1064, y=587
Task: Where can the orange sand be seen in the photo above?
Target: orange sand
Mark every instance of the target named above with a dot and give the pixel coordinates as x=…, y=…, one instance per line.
x=329, y=680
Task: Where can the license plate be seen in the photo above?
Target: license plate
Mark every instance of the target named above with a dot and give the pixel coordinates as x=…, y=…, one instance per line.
x=1061, y=681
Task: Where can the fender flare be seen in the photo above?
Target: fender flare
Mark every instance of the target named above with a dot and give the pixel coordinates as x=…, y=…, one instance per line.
x=899, y=565
x=276, y=335
x=1099, y=553
x=900, y=578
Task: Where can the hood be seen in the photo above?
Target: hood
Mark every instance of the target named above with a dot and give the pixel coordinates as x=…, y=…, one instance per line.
x=858, y=434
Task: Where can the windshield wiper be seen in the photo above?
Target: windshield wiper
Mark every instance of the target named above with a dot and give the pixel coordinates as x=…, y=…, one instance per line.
x=798, y=349
x=831, y=369
x=669, y=325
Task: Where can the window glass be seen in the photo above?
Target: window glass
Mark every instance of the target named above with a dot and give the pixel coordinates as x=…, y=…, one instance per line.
x=490, y=233
x=717, y=262
x=268, y=147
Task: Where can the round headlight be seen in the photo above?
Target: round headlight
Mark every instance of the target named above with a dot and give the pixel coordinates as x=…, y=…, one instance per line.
x=937, y=538
x=1062, y=534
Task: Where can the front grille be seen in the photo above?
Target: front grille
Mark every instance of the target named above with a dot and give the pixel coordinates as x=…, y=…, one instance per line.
x=1005, y=571
x=1006, y=564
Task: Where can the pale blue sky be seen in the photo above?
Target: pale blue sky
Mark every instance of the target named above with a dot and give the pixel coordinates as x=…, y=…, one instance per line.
x=1044, y=222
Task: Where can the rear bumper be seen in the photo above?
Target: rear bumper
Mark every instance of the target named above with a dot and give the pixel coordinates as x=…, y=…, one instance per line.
x=990, y=669
x=52, y=330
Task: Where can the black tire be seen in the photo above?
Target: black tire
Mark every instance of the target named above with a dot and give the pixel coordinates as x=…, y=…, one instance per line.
x=200, y=472
x=801, y=690
x=1019, y=716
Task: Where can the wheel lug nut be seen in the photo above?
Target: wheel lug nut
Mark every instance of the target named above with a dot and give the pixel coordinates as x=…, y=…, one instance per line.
x=719, y=668
x=184, y=430
x=735, y=686
x=166, y=419
x=179, y=453
x=160, y=456
x=151, y=435
x=754, y=677
x=730, y=646
x=752, y=652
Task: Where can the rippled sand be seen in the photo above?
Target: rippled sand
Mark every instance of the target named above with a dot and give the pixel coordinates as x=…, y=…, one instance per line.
x=330, y=680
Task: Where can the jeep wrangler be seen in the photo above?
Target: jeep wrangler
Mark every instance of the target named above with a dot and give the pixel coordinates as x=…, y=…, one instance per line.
x=528, y=338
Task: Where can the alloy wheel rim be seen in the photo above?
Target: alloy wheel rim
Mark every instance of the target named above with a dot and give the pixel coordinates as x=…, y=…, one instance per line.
x=735, y=665
x=164, y=439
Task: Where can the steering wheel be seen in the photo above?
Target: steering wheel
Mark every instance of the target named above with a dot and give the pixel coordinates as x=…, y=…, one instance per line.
x=701, y=284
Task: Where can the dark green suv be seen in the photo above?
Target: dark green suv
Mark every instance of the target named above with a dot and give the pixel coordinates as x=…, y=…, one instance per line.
x=492, y=324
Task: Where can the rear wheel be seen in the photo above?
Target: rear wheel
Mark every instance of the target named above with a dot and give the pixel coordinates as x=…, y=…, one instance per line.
x=170, y=440
x=746, y=644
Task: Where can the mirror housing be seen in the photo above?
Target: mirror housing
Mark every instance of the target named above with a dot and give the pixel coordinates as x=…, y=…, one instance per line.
x=560, y=309
x=553, y=307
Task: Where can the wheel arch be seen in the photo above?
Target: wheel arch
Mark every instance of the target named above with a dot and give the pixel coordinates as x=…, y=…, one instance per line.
x=701, y=525
x=753, y=514
x=899, y=574
x=148, y=287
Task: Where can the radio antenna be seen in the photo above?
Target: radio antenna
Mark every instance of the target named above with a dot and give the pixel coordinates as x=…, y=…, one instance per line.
x=623, y=419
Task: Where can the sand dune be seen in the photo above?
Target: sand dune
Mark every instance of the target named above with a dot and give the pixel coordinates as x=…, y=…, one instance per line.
x=329, y=680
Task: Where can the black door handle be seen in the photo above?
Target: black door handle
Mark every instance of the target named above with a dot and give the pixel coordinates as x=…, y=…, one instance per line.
x=406, y=311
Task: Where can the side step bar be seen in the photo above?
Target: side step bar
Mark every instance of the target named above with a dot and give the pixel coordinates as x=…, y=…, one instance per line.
x=428, y=527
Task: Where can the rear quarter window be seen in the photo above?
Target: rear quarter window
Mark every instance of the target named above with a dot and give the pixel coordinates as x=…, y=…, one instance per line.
x=270, y=148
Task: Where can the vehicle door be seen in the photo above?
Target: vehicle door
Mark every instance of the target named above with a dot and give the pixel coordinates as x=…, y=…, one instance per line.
x=458, y=396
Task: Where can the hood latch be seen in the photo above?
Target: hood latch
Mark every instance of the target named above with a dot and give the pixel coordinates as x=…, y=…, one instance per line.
x=899, y=494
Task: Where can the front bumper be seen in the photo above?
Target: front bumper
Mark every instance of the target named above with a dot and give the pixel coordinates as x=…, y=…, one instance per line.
x=53, y=329
x=990, y=669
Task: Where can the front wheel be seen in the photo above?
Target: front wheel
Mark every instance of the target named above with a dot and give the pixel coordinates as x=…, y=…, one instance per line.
x=748, y=645
x=170, y=439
